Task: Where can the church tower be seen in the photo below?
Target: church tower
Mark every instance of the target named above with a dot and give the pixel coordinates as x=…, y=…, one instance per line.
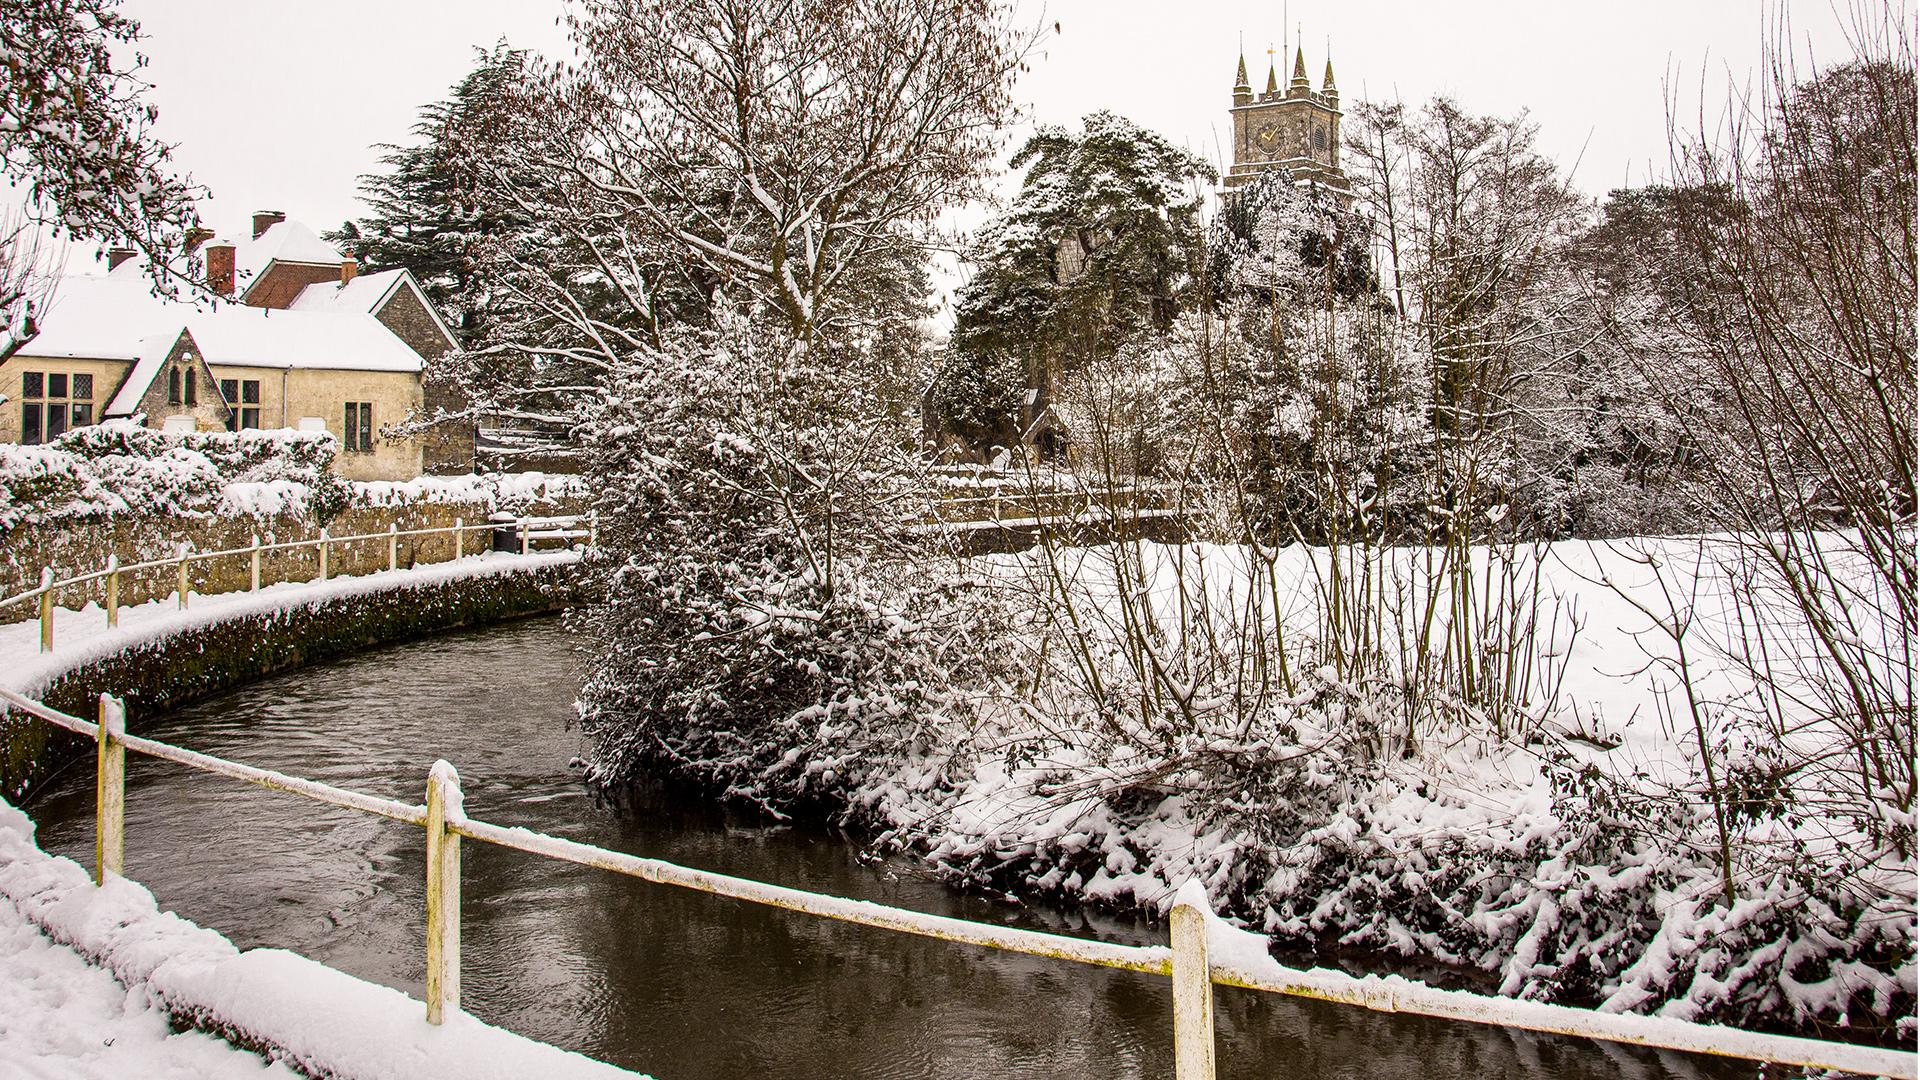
x=1295, y=130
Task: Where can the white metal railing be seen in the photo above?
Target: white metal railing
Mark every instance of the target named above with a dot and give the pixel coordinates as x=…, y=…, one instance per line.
x=1186, y=961
x=527, y=531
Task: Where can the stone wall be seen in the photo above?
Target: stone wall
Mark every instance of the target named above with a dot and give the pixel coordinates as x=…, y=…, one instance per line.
x=76, y=549
x=166, y=673
x=80, y=546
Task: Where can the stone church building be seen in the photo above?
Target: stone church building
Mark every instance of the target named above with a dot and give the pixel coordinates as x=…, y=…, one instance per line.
x=1296, y=130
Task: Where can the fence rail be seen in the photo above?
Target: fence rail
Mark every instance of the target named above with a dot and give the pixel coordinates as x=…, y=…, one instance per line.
x=526, y=531
x=1186, y=960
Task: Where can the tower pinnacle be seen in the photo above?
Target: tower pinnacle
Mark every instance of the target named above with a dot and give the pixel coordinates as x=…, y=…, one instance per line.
x=1299, y=87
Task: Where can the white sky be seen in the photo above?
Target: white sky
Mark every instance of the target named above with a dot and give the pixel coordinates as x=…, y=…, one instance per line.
x=279, y=104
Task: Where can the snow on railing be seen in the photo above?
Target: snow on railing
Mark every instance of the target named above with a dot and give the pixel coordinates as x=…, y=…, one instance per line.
x=525, y=532
x=1191, y=960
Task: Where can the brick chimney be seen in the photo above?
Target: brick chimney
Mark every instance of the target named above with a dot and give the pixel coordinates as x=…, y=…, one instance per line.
x=116, y=256
x=266, y=219
x=220, y=267
x=197, y=236
x=348, y=268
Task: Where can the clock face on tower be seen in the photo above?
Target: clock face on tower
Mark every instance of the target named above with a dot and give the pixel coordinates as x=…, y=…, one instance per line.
x=1269, y=138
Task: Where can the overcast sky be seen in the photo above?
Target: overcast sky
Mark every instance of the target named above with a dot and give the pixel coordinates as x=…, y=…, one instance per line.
x=278, y=105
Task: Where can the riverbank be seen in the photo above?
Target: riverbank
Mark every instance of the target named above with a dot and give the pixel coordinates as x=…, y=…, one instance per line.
x=161, y=656
x=1572, y=860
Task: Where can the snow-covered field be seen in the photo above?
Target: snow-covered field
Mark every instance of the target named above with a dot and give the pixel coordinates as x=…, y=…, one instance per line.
x=1574, y=858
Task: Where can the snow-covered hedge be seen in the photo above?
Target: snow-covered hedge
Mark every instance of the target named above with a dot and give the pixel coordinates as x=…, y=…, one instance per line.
x=120, y=468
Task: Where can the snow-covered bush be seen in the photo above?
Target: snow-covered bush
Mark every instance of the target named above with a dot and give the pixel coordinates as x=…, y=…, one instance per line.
x=764, y=597
x=121, y=468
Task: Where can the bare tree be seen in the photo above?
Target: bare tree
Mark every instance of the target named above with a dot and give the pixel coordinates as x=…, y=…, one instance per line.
x=27, y=275
x=1799, y=325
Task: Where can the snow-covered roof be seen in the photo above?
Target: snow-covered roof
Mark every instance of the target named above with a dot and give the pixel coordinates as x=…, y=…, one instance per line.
x=368, y=293
x=285, y=241
x=152, y=351
x=110, y=317
x=363, y=293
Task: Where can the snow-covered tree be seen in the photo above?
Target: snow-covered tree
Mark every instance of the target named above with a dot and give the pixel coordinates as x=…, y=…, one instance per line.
x=76, y=132
x=428, y=213
x=733, y=202
x=1100, y=245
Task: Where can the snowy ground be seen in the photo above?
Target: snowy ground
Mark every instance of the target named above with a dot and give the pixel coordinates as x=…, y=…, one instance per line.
x=1469, y=851
x=62, y=1017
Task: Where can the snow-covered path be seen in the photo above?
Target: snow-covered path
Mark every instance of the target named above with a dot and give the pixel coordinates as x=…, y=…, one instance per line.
x=62, y=1017
x=82, y=636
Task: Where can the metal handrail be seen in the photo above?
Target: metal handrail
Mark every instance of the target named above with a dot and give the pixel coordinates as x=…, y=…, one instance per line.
x=527, y=528
x=1187, y=961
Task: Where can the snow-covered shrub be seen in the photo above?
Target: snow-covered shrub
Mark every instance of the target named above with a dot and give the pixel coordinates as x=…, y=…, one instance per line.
x=764, y=596
x=121, y=468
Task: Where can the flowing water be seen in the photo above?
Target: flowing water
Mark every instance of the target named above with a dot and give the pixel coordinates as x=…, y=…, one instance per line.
x=664, y=980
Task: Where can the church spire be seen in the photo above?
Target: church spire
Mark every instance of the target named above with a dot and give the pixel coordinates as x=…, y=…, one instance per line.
x=1300, y=86
x=1273, y=79
x=1327, y=89
x=1242, y=92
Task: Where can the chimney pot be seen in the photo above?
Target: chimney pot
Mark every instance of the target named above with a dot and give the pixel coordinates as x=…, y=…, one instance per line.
x=220, y=268
x=116, y=256
x=266, y=219
x=348, y=268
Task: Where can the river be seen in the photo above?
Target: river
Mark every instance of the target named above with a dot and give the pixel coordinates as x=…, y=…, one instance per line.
x=664, y=980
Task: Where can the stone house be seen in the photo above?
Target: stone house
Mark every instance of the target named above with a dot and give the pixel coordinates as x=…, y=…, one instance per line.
x=292, y=337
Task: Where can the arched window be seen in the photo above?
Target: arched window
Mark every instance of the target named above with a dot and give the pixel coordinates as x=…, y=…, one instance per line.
x=186, y=376
x=173, y=386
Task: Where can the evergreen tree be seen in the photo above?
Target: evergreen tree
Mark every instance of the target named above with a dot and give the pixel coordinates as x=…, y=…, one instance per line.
x=428, y=212
x=1098, y=248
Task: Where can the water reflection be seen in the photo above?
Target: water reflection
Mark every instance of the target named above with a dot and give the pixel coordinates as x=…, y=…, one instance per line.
x=681, y=984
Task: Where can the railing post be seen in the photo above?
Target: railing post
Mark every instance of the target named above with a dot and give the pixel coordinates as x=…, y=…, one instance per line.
x=184, y=548
x=444, y=802
x=1192, y=985
x=323, y=555
x=459, y=538
x=524, y=539
x=46, y=609
x=255, y=575
x=110, y=791
x=113, y=590
x=393, y=545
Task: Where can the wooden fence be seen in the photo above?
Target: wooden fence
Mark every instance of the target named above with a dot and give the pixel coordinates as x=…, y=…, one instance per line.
x=1186, y=960
x=527, y=532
